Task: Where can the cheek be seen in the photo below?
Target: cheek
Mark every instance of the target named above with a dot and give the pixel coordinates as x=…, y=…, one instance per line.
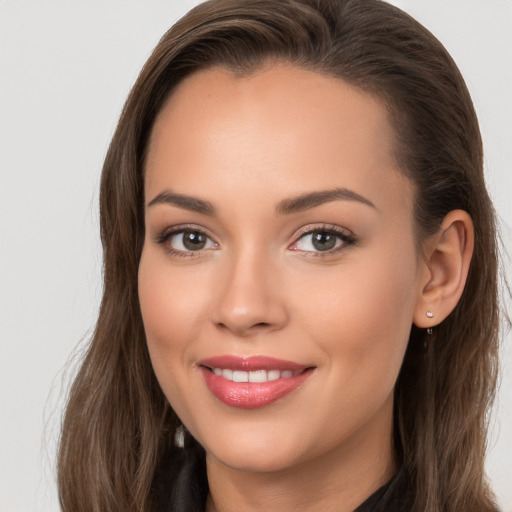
x=170, y=301
x=360, y=314
x=171, y=307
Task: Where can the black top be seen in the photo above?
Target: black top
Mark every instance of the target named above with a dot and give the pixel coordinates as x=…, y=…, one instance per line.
x=186, y=489
x=395, y=496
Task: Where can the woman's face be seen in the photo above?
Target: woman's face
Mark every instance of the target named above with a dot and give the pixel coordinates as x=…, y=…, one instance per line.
x=279, y=249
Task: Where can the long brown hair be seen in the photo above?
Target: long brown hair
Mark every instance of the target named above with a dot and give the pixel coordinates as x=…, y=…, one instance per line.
x=118, y=428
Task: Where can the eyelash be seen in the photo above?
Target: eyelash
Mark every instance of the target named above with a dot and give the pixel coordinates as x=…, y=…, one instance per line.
x=347, y=239
x=167, y=234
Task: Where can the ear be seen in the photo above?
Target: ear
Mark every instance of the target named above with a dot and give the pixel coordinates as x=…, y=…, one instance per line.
x=447, y=256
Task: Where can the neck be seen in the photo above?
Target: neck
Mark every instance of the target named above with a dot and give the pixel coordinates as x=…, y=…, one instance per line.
x=339, y=480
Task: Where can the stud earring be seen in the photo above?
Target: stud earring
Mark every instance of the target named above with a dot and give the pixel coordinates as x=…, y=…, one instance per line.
x=430, y=314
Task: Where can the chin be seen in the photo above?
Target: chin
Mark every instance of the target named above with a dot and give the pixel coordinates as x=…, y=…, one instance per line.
x=258, y=453
x=254, y=462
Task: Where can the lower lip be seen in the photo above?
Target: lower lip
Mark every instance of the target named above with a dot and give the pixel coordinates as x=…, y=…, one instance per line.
x=251, y=395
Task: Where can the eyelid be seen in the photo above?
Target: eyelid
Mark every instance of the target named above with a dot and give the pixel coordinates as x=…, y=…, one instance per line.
x=323, y=227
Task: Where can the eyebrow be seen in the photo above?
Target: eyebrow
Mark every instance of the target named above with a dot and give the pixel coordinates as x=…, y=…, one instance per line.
x=314, y=199
x=287, y=206
x=187, y=202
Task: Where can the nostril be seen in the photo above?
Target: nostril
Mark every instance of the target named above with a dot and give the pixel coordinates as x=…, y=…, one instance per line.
x=243, y=328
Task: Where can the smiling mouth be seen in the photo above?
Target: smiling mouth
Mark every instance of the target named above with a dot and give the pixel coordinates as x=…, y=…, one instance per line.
x=252, y=382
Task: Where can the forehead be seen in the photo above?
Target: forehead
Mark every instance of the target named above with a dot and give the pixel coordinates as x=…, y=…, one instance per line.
x=280, y=129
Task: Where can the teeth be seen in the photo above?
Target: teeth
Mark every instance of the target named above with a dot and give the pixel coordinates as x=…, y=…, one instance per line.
x=255, y=375
x=258, y=376
x=274, y=374
x=240, y=376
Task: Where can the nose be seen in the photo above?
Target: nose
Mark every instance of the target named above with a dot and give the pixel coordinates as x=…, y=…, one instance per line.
x=250, y=299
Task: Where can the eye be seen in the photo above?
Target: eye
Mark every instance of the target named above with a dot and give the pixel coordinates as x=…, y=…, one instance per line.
x=185, y=241
x=322, y=240
x=190, y=241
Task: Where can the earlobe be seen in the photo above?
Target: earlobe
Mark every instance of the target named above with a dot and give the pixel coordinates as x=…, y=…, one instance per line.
x=446, y=260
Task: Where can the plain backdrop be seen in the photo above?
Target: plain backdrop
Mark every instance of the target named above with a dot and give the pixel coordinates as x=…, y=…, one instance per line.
x=66, y=67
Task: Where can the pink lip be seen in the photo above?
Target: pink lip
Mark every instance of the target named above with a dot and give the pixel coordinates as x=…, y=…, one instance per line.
x=251, y=395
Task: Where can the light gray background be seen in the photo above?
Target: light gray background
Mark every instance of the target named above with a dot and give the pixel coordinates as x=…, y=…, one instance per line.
x=66, y=67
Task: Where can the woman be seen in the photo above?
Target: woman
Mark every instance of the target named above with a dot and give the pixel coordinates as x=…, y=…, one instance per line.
x=300, y=303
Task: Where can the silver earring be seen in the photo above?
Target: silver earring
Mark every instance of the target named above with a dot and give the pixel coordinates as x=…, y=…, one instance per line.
x=429, y=329
x=179, y=437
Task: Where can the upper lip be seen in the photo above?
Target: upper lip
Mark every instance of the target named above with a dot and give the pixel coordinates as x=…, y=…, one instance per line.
x=251, y=363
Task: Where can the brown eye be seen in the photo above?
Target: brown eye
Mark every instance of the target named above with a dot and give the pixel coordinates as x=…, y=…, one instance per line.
x=190, y=240
x=319, y=240
x=323, y=241
x=194, y=240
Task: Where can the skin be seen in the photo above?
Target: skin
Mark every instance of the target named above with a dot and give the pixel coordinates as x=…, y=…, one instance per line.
x=259, y=287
